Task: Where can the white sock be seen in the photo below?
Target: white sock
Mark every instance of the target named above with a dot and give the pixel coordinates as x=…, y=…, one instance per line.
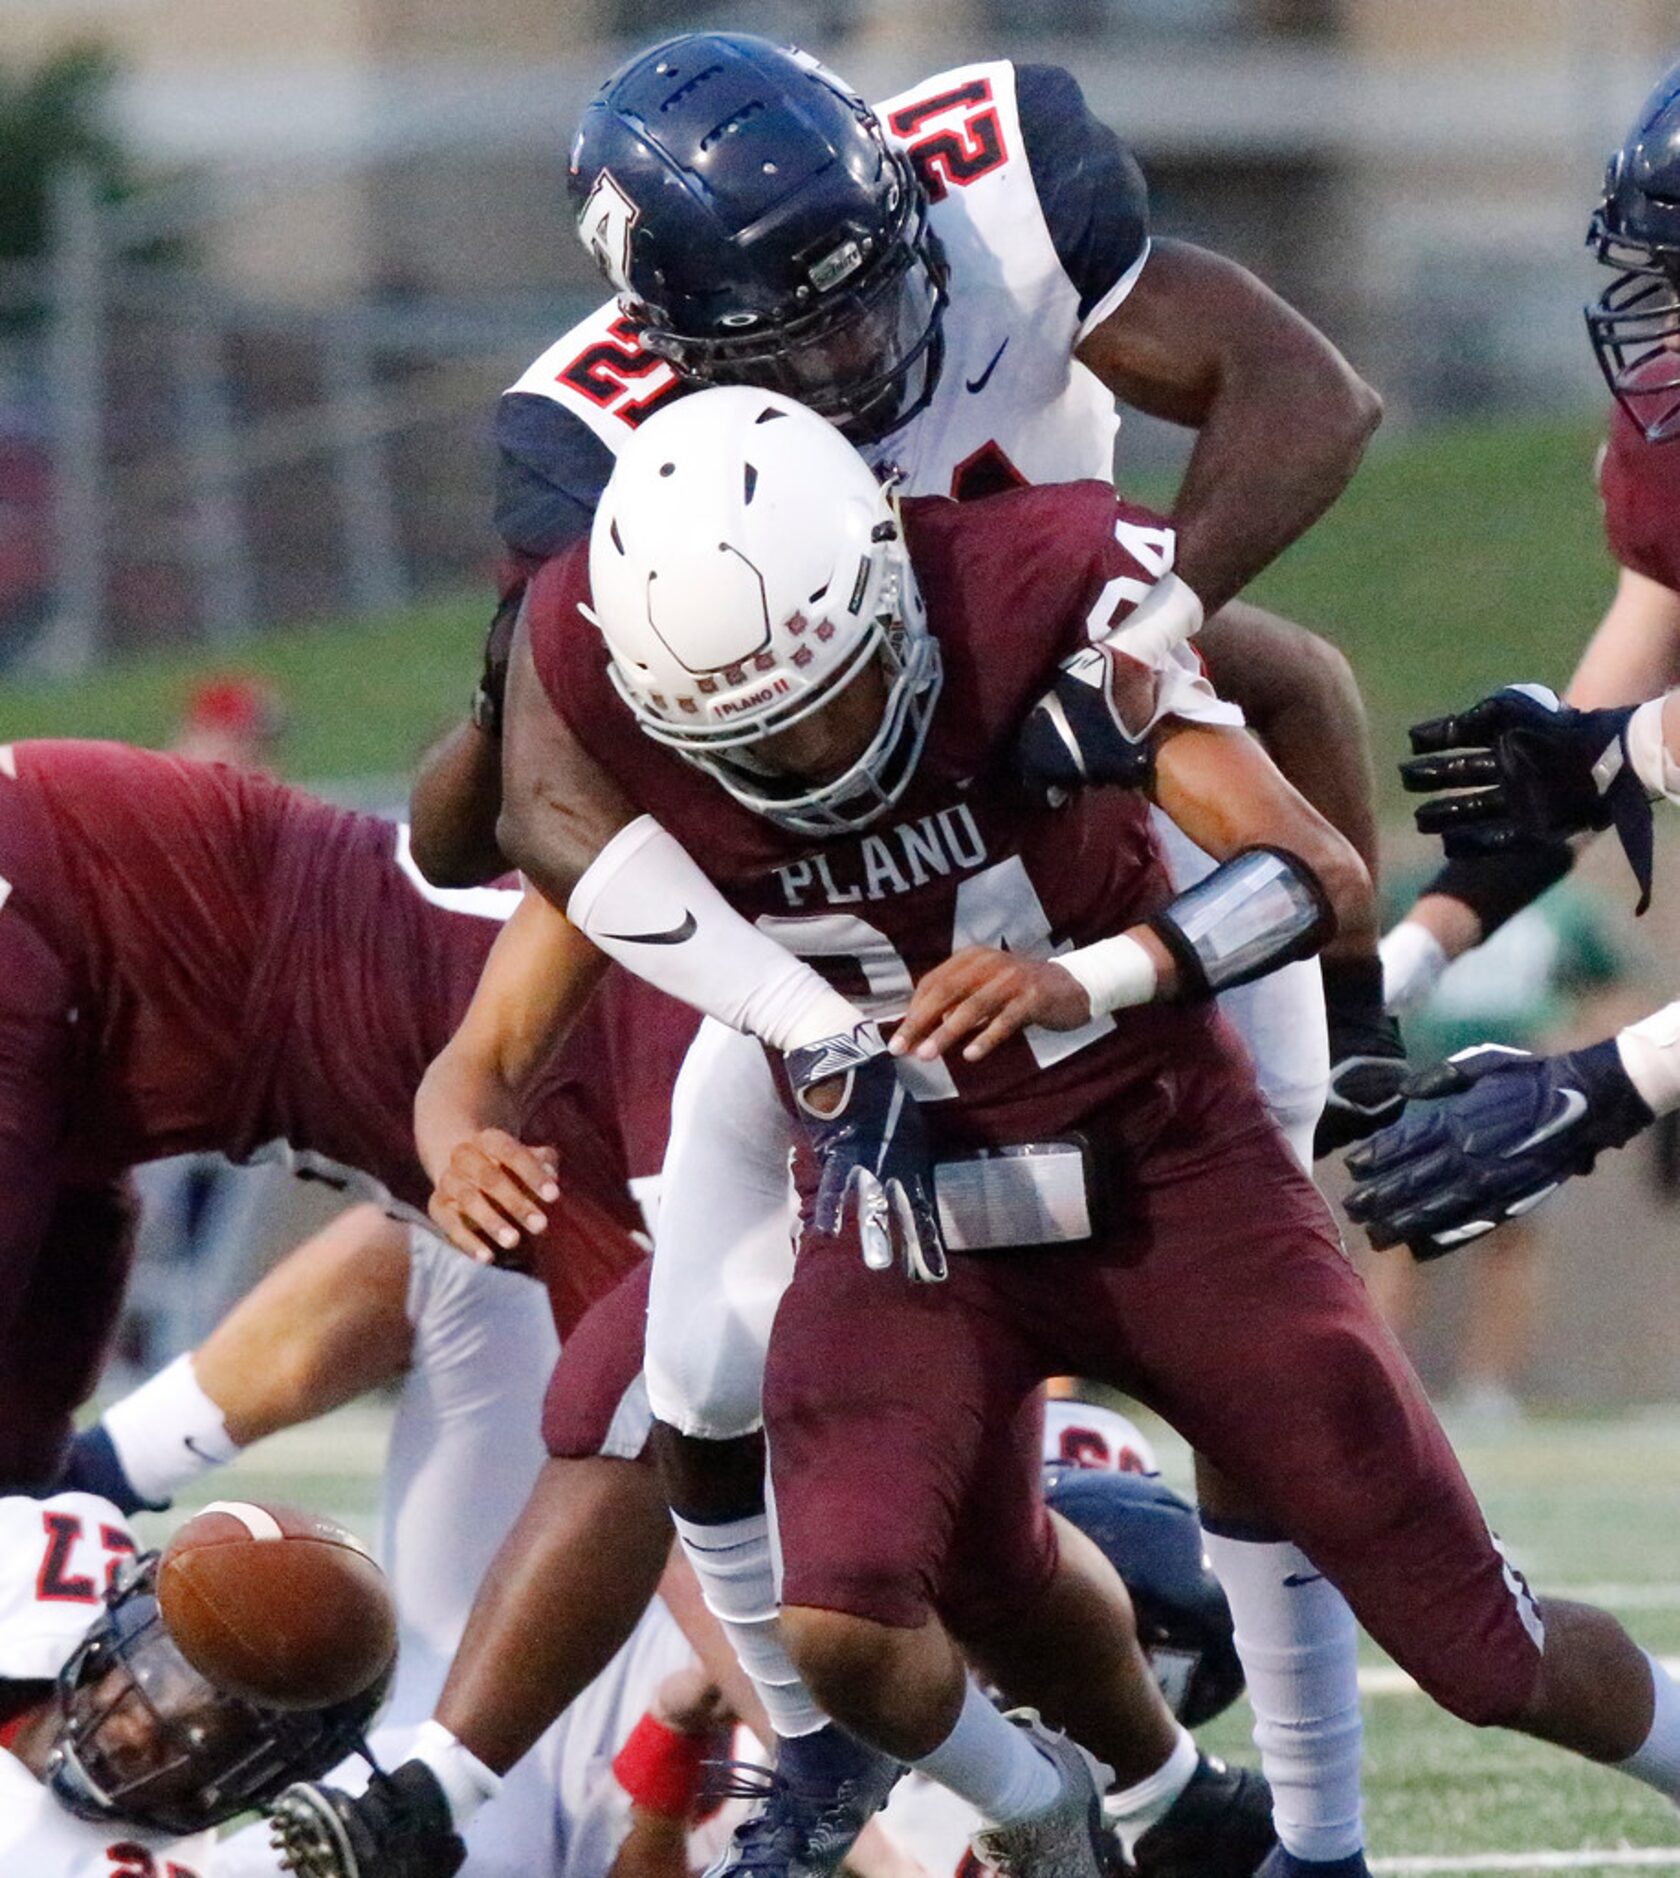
x=1133, y=1810
x=168, y=1432
x=1298, y=1644
x=1657, y=1762
x=992, y=1764
x=737, y=1574
x=466, y=1782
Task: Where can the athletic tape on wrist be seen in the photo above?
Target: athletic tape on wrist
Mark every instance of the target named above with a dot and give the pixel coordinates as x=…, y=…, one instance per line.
x=1115, y=973
x=1413, y=960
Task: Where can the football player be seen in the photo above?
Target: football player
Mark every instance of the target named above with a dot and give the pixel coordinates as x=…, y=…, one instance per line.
x=1500, y=1130
x=117, y=1758
x=1635, y=652
x=983, y=246
x=767, y=616
x=195, y=958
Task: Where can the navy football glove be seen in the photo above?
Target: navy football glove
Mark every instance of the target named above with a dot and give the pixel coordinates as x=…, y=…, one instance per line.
x=1368, y=1068
x=1524, y=766
x=1074, y=737
x=1498, y=1130
x=867, y=1134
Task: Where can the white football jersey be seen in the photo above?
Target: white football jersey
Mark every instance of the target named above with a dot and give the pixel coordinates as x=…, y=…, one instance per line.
x=1011, y=404
x=1080, y=1434
x=57, y=1557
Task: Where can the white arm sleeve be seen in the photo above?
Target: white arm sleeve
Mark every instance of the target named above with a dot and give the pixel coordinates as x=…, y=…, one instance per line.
x=645, y=903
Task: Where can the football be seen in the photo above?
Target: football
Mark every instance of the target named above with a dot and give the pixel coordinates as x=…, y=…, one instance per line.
x=276, y=1605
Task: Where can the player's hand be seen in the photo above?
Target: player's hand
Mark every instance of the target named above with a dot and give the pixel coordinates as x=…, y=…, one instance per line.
x=489, y=1201
x=1491, y=1133
x=1522, y=765
x=987, y=996
x=1368, y=1068
x=1076, y=735
x=691, y=1703
x=872, y=1148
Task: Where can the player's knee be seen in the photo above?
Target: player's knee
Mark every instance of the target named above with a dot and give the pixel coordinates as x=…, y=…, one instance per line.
x=846, y=1660
x=693, y=1393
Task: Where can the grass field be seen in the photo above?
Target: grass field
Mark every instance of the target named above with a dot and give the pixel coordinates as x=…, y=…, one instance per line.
x=1457, y=560
x=1589, y=1509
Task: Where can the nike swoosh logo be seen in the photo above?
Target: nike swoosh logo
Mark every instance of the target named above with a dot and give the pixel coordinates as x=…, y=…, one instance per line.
x=980, y=383
x=673, y=937
x=1296, y=1579
x=192, y=1447
x=1574, y=1107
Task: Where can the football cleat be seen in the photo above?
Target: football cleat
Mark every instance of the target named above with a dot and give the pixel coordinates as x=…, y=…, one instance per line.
x=810, y=1808
x=1066, y=1839
x=1282, y=1864
x=1220, y=1826
x=401, y=1827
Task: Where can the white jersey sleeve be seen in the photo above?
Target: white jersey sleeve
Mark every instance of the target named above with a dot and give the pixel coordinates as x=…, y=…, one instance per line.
x=58, y=1557
x=39, y=1839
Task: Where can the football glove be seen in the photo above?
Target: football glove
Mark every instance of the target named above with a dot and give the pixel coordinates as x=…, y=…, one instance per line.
x=1075, y=736
x=872, y=1151
x=1368, y=1067
x=1526, y=766
x=1498, y=1131
x=401, y=1827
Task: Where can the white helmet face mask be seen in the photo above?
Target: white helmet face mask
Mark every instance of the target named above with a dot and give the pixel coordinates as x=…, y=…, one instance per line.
x=746, y=567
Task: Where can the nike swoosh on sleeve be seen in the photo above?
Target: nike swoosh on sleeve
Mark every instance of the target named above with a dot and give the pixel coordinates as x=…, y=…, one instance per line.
x=980, y=383
x=673, y=936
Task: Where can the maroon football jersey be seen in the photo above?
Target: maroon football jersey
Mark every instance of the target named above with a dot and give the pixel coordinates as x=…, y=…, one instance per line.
x=1640, y=486
x=255, y=966
x=1011, y=583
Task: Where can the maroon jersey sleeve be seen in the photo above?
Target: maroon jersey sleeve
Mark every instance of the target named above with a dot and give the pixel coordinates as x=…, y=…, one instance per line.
x=1639, y=484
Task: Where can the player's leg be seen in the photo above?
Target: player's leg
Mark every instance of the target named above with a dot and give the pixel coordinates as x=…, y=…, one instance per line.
x=880, y=1399
x=1252, y=1333
x=723, y=1260
x=1299, y=1652
x=329, y=1322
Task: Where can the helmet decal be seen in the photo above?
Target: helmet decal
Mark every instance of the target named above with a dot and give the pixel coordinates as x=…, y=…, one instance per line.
x=605, y=224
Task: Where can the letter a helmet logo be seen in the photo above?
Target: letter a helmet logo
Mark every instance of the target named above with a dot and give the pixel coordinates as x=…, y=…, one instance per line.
x=604, y=227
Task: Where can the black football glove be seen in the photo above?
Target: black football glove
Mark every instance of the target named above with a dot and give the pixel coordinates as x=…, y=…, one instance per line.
x=867, y=1134
x=1526, y=766
x=1368, y=1067
x=400, y=1827
x=1492, y=1132
x=1074, y=736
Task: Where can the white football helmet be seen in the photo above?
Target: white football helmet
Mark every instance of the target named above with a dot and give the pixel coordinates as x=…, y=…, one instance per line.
x=745, y=567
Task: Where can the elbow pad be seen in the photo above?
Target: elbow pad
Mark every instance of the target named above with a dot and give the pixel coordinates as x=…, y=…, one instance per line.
x=1261, y=909
x=646, y=903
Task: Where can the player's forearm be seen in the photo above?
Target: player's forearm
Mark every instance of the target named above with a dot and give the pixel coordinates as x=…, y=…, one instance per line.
x=453, y=807
x=1282, y=418
x=654, y=1847
x=1635, y=653
x=1300, y=697
x=1223, y=791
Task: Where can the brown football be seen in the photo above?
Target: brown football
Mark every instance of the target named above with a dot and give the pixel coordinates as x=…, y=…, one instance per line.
x=276, y=1605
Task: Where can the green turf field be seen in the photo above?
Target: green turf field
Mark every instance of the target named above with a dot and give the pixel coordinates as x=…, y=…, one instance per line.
x=1589, y=1509
x=1458, y=559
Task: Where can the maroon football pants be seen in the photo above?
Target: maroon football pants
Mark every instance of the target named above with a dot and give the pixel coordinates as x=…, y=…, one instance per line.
x=1220, y=1296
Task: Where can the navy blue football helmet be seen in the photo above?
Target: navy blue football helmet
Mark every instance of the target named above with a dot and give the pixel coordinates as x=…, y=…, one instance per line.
x=145, y=1740
x=761, y=230
x=1635, y=322
x=1153, y=1539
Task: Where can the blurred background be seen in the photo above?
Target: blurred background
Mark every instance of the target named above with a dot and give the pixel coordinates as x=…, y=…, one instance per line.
x=263, y=271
